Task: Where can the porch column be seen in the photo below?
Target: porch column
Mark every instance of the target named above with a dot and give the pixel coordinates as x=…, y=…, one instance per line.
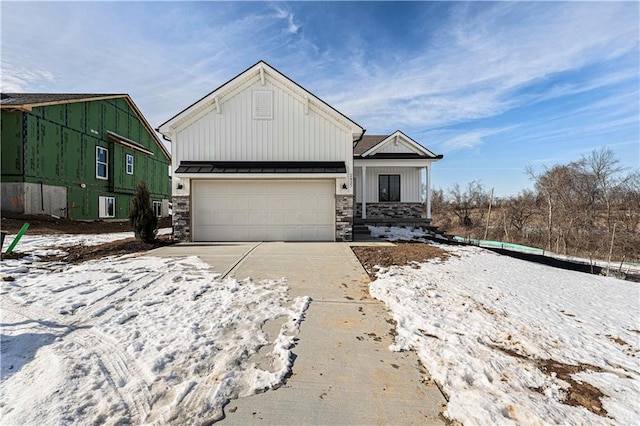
x=364, y=192
x=428, y=188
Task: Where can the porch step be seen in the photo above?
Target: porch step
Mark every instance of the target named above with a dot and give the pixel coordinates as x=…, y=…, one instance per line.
x=361, y=229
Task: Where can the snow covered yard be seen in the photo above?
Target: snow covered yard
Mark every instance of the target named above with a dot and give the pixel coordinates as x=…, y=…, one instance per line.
x=513, y=342
x=136, y=339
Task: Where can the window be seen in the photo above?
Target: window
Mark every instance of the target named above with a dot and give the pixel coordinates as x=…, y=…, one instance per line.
x=157, y=208
x=107, y=206
x=102, y=162
x=388, y=188
x=129, y=164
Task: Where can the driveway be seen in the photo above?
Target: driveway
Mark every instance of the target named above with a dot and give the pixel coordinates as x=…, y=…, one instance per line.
x=344, y=372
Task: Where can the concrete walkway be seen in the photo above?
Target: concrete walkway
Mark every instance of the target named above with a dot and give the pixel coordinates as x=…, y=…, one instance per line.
x=344, y=372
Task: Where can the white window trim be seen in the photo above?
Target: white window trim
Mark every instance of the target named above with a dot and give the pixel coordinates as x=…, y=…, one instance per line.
x=127, y=164
x=158, y=203
x=103, y=211
x=106, y=163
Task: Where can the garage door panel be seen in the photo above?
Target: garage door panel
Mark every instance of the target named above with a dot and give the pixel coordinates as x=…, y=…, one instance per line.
x=276, y=218
x=263, y=210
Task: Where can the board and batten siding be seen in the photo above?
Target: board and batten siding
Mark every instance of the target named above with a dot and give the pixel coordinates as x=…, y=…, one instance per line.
x=291, y=135
x=392, y=148
x=410, y=183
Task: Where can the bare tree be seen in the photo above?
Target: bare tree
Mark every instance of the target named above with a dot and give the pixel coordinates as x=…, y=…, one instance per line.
x=469, y=204
x=518, y=211
x=438, y=200
x=605, y=171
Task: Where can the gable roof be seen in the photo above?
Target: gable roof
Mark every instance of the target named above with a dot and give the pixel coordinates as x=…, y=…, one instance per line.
x=369, y=146
x=261, y=68
x=43, y=99
x=367, y=142
x=27, y=101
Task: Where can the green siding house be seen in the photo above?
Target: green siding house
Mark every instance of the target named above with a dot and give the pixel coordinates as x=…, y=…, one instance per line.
x=79, y=156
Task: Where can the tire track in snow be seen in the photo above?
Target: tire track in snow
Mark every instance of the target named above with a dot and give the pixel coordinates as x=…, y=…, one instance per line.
x=120, y=371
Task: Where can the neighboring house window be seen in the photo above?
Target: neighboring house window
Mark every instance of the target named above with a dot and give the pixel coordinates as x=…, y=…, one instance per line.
x=388, y=188
x=157, y=208
x=107, y=206
x=129, y=164
x=102, y=162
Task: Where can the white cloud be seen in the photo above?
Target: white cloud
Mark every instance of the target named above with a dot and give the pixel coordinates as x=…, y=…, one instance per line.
x=450, y=139
x=17, y=80
x=486, y=55
x=281, y=13
x=480, y=62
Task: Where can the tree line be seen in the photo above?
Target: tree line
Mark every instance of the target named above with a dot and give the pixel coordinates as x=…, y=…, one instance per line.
x=578, y=208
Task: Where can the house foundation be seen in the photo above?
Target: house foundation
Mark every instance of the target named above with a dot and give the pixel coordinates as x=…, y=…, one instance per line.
x=391, y=210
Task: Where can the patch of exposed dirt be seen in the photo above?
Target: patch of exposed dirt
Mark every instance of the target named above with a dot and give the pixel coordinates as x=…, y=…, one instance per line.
x=579, y=394
x=45, y=224
x=82, y=253
x=400, y=254
x=48, y=225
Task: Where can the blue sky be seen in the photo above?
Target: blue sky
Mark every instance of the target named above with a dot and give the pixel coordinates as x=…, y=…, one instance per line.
x=492, y=86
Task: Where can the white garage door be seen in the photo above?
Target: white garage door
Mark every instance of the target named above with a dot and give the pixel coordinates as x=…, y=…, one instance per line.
x=267, y=210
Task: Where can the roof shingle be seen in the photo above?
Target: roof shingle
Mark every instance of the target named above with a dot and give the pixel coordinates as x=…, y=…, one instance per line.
x=367, y=142
x=43, y=98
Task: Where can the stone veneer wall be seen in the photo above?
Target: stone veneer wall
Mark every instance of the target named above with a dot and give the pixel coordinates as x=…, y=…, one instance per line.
x=344, y=218
x=391, y=210
x=181, y=218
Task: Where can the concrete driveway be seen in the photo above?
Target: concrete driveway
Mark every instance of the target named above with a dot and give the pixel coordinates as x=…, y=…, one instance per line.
x=344, y=372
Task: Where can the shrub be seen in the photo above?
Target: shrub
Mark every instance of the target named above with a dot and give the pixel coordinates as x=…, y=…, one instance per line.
x=143, y=220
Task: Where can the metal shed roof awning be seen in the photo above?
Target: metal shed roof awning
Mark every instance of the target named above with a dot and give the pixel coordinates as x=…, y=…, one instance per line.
x=259, y=167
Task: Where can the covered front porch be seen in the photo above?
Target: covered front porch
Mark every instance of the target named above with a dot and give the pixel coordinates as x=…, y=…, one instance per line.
x=392, y=193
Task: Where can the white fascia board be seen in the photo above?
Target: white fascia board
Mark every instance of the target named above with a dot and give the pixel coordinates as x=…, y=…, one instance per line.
x=403, y=139
x=393, y=162
x=258, y=176
x=259, y=71
x=194, y=111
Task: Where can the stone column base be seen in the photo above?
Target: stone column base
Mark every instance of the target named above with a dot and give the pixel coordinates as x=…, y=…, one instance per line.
x=181, y=220
x=344, y=218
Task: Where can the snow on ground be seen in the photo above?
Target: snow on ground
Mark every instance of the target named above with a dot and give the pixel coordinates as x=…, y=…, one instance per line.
x=486, y=326
x=53, y=244
x=397, y=233
x=137, y=339
x=403, y=233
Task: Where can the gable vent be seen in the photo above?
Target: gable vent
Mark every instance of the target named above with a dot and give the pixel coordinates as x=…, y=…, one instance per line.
x=262, y=105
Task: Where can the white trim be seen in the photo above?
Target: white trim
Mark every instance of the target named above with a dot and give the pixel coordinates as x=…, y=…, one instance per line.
x=103, y=211
x=106, y=163
x=428, y=189
x=153, y=206
x=393, y=162
x=126, y=163
x=250, y=76
x=399, y=137
x=364, y=191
